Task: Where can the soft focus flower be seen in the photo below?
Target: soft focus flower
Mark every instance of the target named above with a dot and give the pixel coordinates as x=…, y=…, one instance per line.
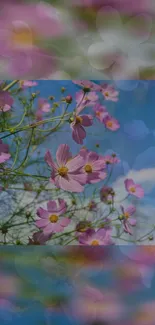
x=4, y=155
x=43, y=105
x=85, y=99
x=50, y=220
x=20, y=37
x=27, y=83
x=39, y=238
x=77, y=126
x=6, y=101
x=127, y=221
x=91, y=304
x=109, y=92
x=100, y=112
x=67, y=173
x=145, y=315
x=110, y=160
x=107, y=194
x=96, y=238
x=94, y=166
x=8, y=285
x=134, y=189
x=111, y=123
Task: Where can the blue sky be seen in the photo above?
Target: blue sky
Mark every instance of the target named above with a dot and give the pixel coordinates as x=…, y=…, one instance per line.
x=134, y=142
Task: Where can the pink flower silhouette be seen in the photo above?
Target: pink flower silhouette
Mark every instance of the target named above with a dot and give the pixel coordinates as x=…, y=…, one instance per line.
x=127, y=221
x=50, y=220
x=134, y=189
x=27, y=83
x=96, y=238
x=39, y=238
x=77, y=126
x=107, y=194
x=67, y=173
x=100, y=112
x=111, y=123
x=94, y=166
x=87, y=85
x=4, y=155
x=109, y=92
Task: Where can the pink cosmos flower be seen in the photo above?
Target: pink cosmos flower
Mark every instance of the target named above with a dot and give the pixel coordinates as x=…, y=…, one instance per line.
x=39, y=238
x=100, y=112
x=110, y=160
x=77, y=126
x=127, y=221
x=4, y=155
x=44, y=105
x=6, y=101
x=94, y=166
x=87, y=85
x=96, y=237
x=107, y=194
x=50, y=220
x=67, y=173
x=19, y=38
x=134, y=189
x=92, y=305
x=85, y=100
x=111, y=123
x=27, y=83
x=109, y=92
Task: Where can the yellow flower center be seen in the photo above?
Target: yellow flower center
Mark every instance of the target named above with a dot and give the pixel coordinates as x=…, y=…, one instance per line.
x=78, y=120
x=98, y=113
x=88, y=169
x=22, y=36
x=95, y=243
x=62, y=171
x=109, y=124
x=132, y=189
x=53, y=218
x=126, y=215
x=106, y=94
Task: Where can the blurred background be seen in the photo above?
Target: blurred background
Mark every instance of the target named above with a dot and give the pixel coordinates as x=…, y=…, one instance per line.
x=75, y=285
x=83, y=39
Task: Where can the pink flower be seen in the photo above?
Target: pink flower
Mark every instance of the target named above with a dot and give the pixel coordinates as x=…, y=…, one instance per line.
x=4, y=155
x=107, y=194
x=51, y=220
x=88, y=99
x=44, y=105
x=109, y=92
x=77, y=126
x=100, y=112
x=111, y=123
x=110, y=160
x=92, y=305
x=6, y=101
x=96, y=238
x=39, y=238
x=19, y=38
x=27, y=83
x=134, y=189
x=67, y=173
x=127, y=221
x=87, y=85
x=94, y=166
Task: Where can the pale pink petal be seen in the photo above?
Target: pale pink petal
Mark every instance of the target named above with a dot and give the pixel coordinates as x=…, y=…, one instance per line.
x=80, y=178
x=42, y=223
x=68, y=184
x=132, y=221
x=51, y=206
x=128, y=183
x=131, y=210
x=49, y=160
x=78, y=133
x=63, y=154
x=75, y=164
x=42, y=213
x=64, y=222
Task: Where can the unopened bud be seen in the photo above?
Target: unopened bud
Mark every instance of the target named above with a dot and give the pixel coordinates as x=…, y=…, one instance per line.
x=68, y=99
